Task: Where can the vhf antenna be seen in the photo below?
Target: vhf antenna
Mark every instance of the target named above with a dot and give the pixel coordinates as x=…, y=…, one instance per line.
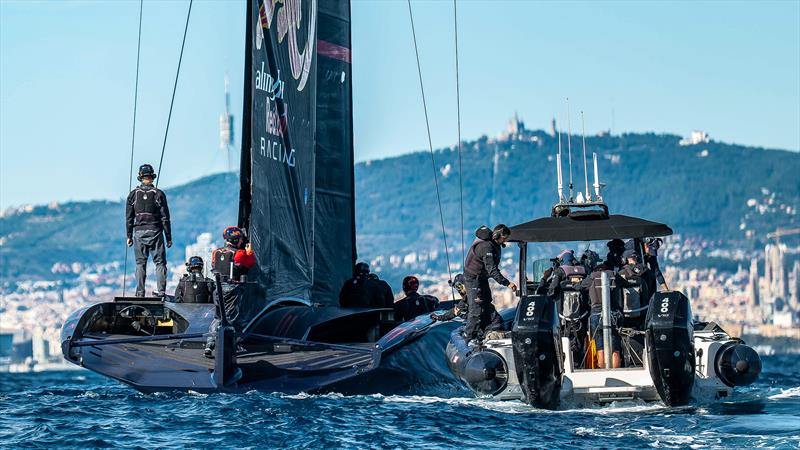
x=569, y=151
x=558, y=171
x=596, y=179
x=585, y=171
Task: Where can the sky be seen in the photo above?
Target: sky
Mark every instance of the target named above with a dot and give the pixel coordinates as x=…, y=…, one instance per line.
x=67, y=76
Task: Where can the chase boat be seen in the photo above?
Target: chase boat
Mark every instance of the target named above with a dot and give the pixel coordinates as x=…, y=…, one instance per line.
x=546, y=356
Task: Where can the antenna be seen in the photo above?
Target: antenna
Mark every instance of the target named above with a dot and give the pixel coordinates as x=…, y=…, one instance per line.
x=560, y=181
x=585, y=172
x=560, y=177
x=569, y=150
x=596, y=179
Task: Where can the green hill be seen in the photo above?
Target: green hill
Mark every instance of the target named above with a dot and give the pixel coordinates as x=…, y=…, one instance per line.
x=700, y=190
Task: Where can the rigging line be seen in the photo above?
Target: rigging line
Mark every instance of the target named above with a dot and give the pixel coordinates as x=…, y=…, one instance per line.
x=430, y=146
x=133, y=133
x=458, y=120
x=174, y=89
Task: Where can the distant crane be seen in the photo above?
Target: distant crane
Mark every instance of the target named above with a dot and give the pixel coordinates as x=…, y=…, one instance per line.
x=779, y=232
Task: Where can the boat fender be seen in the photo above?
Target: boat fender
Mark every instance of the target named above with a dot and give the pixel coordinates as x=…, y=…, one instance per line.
x=537, y=351
x=670, y=347
x=485, y=372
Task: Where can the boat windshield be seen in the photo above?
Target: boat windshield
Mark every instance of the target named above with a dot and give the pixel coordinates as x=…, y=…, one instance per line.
x=540, y=256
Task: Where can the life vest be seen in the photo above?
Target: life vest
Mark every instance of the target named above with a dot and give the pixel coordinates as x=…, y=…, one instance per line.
x=474, y=266
x=574, y=274
x=195, y=289
x=146, y=206
x=222, y=262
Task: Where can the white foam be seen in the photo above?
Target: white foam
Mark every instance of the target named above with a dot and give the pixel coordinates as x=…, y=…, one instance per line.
x=518, y=407
x=786, y=393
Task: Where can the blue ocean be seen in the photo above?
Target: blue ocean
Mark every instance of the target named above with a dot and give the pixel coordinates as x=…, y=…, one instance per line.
x=78, y=409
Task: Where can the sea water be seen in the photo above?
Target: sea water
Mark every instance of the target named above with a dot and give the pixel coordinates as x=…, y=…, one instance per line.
x=82, y=410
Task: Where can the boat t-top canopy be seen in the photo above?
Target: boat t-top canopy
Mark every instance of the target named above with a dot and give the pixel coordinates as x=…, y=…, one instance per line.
x=585, y=226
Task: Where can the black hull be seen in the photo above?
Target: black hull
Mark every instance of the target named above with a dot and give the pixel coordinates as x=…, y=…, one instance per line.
x=408, y=357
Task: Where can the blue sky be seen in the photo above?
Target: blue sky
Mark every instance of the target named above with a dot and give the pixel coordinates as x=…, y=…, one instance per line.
x=67, y=76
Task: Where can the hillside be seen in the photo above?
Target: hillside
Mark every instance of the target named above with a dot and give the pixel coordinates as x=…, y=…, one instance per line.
x=713, y=190
x=700, y=190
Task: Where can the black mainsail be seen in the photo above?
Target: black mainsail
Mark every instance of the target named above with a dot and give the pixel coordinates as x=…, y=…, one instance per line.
x=297, y=196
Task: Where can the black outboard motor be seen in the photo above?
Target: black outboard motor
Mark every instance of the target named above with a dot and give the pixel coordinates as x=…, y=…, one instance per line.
x=485, y=372
x=537, y=351
x=670, y=343
x=737, y=364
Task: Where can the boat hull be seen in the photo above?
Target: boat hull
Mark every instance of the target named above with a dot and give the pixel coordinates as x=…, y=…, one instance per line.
x=282, y=361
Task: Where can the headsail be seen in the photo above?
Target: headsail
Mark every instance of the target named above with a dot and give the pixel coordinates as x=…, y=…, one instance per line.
x=296, y=197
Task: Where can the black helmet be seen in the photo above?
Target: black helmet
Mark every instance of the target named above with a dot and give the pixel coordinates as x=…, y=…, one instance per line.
x=146, y=170
x=195, y=264
x=458, y=283
x=233, y=236
x=616, y=245
x=361, y=269
x=410, y=284
x=500, y=231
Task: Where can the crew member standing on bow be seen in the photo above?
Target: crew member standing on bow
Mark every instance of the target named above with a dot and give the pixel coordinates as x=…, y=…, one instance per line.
x=235, y=258
x=147, y=225
x=481, y=264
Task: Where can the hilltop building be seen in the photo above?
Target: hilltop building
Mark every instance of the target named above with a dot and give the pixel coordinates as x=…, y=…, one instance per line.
x=697, y=137
x=514, y=130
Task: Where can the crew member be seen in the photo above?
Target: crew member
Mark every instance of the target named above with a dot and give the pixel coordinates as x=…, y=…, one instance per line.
x=147, y=225
x=461, y=308
x=236, y=258
x=414, y=303
x=593, y=285
x=589, y=260
x=567, y=266
x=387, y=296
x=481, y=264
x=638, y=274
x=194, y=287
x=614, y=257
x=365, y=291
x=651, y=247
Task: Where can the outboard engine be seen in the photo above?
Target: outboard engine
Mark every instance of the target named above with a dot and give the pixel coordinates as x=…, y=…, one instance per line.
x=537, y=351
x=737, y=364
x=670, y=347
x=485, y=372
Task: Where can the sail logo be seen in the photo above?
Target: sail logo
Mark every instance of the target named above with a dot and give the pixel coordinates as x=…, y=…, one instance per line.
x=273, y=87
x=288, y=15
x=273, y=149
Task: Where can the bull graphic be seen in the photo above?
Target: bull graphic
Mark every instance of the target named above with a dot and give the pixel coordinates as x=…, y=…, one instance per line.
x=289, y=16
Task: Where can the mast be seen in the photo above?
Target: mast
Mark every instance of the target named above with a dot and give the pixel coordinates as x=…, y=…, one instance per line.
x=245, y=192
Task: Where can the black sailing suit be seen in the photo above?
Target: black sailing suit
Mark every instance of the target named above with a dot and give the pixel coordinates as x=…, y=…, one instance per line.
x=413, y=305
x=194, y=288
x=482, y=261
x=147, y=223
x=366, y=291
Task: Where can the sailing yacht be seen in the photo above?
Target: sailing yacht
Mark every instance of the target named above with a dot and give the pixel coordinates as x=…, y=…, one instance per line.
x=284, y=330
